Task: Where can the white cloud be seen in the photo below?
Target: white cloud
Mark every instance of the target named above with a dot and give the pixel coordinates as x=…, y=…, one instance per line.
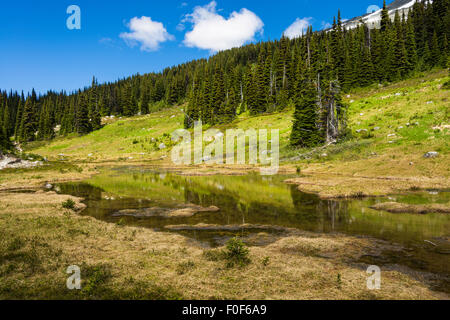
x=149, y=34
x=298, y=28
x=213, y=32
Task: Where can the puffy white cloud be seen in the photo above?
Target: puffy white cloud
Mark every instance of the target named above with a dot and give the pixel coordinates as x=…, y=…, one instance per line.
x=146, y=32
x=298, y=28
x=213, y=32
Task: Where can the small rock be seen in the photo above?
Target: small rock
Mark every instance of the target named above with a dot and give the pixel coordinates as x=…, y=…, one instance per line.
x=48, y=186
x=376, y=128
x=431, y=154
x=15, y=161
x=324, y=155
x=430, y=102
x=411, y=163
x=162, y=146
x=391, y=135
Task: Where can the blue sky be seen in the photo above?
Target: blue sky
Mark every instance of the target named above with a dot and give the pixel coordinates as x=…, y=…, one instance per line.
x=37, y=50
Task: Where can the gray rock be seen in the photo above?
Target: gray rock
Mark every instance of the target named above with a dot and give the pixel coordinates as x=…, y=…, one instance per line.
x=431, y=154
x=14, y=161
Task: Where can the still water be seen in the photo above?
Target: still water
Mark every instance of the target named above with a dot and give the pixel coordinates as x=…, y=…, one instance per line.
x=254, y=204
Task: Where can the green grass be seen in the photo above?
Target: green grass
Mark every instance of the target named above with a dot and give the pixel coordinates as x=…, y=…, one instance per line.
x=135, y=137
x=396, y=119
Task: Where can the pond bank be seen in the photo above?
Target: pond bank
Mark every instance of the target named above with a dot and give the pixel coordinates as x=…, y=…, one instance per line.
x=41, y=239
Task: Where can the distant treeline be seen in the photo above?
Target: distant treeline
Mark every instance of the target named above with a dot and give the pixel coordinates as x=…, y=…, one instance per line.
x=308, y=73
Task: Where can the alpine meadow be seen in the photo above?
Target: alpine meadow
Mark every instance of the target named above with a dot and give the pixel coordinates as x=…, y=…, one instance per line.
x=354, y=115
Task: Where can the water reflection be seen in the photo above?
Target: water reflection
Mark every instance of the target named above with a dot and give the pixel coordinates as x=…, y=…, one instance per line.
x=253, y=200
x=259, y=208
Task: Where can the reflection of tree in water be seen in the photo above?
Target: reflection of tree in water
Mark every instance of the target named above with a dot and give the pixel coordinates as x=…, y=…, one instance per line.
x=306, y=205
x=335, y=212
x=83, y=190
x=326, y=214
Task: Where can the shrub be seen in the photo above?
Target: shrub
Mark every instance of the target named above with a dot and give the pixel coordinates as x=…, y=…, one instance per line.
x=97, y=277
x=68, y=204
x=236, y=252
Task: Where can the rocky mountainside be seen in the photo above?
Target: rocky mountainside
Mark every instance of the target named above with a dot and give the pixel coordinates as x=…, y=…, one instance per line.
x=373, y=19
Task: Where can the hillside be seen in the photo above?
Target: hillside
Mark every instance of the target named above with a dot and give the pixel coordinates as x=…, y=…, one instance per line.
x=309, y=73
x=392, y=128
x=373, y=19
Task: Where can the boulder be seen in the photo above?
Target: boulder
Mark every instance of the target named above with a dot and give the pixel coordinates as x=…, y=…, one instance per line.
x=431, y=154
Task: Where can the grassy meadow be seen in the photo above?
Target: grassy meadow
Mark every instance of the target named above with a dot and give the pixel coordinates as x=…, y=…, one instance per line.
x=392, y=127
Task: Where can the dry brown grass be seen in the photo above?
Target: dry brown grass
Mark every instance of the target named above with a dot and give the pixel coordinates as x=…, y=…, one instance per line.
x=341, y=183
x=40, y=240
x=395, y=207
x=16, y=179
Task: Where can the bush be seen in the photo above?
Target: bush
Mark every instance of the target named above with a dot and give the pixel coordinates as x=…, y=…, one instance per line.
x=68, y=204
x=236, y=252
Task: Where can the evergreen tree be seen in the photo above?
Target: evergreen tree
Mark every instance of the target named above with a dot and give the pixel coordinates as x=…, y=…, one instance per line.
x=410, y=46
x=385, y=19
x=83, y=125
x=127, y=101
x=304, y=130
x=28, y=125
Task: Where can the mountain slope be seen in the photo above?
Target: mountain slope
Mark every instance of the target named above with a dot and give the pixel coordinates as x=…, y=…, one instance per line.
x=373, y=19
x=392, y=127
